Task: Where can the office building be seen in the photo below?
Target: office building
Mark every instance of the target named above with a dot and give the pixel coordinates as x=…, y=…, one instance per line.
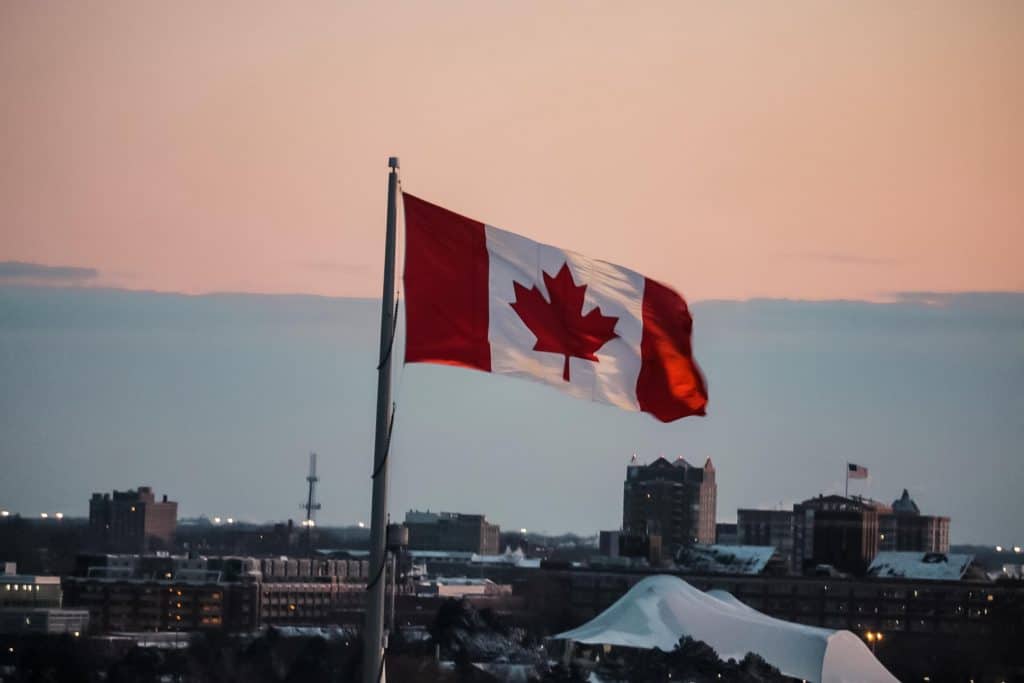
x=451, y=531
x=33, y=605
x=836, y=531
x=673, y=500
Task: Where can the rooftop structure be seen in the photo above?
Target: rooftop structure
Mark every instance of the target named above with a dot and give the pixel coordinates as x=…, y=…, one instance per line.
x=727, y=559
x=659, y=610
x=924, y=566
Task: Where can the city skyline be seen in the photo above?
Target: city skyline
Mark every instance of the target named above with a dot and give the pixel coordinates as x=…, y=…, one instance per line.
x=210, y=398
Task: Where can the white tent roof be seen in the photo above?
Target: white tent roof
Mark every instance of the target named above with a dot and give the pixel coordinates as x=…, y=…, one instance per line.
x=659, y=610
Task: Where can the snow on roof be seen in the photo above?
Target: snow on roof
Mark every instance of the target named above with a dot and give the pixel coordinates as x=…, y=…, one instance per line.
x=659, y=610
x=912, y=565
x=516, y=558
x=440, y=555
x=725, y=559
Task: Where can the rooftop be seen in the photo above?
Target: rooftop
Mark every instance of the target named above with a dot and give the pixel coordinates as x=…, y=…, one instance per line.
x=914, y=565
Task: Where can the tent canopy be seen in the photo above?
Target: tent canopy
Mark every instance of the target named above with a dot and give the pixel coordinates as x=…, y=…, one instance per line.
x=659, y=610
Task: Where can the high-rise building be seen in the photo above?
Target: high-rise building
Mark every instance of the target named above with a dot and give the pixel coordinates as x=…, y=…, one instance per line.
x=452, y=531
x=902, y=527
x=674, y=500
x=132, y=521
x=837, y=531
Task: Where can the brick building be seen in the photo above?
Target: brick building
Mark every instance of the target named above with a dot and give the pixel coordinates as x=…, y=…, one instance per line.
x=236, y=594
x=673, y=500
x=132, y=521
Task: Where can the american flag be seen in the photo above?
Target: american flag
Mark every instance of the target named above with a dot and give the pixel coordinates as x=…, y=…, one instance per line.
x=856, y=471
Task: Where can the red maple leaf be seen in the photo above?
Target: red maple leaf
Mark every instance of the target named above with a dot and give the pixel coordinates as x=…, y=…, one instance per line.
x=558, y=325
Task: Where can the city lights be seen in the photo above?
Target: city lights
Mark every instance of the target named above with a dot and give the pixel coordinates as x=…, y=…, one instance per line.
x=999, y=548
x=5, y=513
x=1016, y=548
x=59, y=515
x=44, y=515
x=216, y=520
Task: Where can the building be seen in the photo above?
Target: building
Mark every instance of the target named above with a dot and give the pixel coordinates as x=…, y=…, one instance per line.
x=730, y=559
x=922, y=566
x=33, y=605
x=836, y=531
x=188, y=593
x=618, y=544
x=921, y=616
x=902, y=528
x=451, y=531
x=132, y=521
x=767, y=527
x=727, y=533
x=460, y=587
x=673, y=500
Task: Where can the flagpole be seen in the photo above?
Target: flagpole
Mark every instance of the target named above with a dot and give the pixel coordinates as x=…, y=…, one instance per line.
x=373, y=631
x=847, y=481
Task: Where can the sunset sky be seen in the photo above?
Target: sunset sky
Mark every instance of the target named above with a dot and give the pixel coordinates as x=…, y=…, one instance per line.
x=864, y=160
x=806, y=150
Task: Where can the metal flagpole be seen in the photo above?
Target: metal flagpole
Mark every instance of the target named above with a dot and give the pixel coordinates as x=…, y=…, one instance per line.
x=373, y=631
x=847, y=481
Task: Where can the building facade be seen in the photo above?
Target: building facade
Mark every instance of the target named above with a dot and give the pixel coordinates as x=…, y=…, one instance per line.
x=237, y=594
x=836, y=531
x=902, y=528
x=33, y=605
x=452, y=531
x=675, y=501
x=132, y=521
x=767, y=527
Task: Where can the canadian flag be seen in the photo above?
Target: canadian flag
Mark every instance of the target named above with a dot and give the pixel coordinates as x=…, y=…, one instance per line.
x=483, y=298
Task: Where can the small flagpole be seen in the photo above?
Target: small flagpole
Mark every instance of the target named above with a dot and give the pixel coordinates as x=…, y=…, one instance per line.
x=847, y=481
x=373, y=631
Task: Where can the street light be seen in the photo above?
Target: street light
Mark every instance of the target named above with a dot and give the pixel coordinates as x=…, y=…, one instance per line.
x=999, y=548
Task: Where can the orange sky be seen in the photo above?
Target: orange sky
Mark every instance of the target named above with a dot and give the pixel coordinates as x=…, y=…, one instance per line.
x=798, y=149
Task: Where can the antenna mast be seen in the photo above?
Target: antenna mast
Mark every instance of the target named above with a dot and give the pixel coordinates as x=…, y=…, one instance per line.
x=311, y=505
